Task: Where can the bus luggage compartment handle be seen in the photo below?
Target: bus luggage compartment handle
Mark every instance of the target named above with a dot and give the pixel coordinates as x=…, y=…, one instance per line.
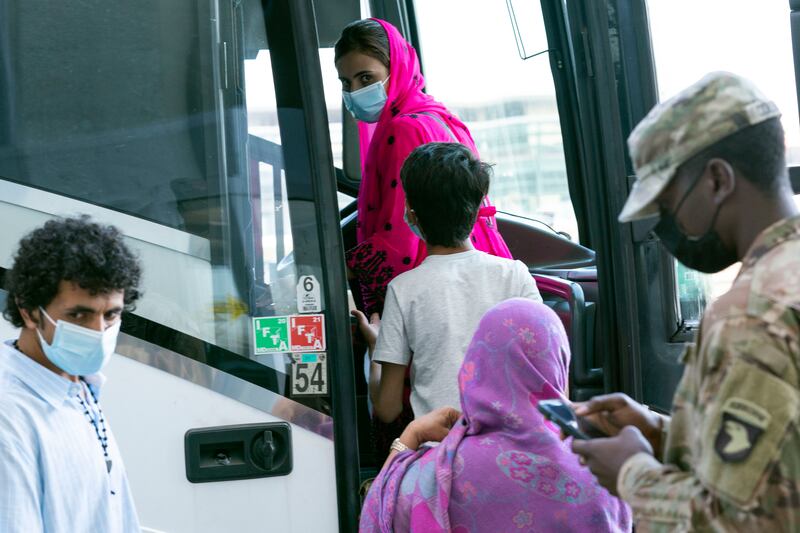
x=263, y=450
x=238, y=452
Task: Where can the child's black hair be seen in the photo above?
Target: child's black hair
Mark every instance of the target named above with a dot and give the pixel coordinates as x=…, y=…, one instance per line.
x=445, y=184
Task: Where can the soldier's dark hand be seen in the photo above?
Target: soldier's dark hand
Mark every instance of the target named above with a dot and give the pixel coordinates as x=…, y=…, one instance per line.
x=612, y=412
x=605, y=457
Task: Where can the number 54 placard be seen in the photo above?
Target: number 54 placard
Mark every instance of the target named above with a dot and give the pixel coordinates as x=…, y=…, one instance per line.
x=309, y=374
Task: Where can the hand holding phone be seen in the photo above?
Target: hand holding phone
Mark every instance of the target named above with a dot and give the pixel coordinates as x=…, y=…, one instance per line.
x=612, y=412
x=560, y=413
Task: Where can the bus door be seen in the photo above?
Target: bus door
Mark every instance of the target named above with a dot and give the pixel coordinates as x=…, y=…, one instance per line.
x=621, y=58
x=199, y=130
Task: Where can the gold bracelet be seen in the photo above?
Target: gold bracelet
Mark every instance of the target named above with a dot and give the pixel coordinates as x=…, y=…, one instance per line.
x=398, y=446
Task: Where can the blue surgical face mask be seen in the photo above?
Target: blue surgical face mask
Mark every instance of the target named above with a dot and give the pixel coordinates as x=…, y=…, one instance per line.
x=366, y=103
x=79, y=351
x=414, y=228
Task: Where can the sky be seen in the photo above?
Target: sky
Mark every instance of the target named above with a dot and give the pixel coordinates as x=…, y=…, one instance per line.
x=475, y=57
x=749, y=38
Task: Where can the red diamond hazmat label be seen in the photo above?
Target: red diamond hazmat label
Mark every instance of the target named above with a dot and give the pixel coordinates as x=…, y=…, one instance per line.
x=307, y=333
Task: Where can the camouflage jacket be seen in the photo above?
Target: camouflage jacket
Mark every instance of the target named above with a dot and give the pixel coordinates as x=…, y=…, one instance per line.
x=731, y=460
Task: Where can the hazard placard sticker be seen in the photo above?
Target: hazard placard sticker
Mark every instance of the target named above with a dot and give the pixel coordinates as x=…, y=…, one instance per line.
x=307, y=333
x=271, y=334
x=309, y=374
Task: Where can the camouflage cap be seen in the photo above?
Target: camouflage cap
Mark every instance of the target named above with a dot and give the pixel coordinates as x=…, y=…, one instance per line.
x=674, y=131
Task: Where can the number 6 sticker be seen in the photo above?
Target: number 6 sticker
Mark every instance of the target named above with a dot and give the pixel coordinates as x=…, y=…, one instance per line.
x=308, y=295
x=309, y=374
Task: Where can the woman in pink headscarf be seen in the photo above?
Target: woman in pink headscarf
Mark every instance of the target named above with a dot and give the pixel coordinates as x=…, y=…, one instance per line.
x=501, y=467
x=382, y=87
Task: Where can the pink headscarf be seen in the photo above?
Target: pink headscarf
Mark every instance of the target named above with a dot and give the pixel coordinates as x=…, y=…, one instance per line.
x=386, y=246
x=502, y=467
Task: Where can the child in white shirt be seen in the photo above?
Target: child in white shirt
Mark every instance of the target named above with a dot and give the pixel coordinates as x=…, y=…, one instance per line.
x=431, y=312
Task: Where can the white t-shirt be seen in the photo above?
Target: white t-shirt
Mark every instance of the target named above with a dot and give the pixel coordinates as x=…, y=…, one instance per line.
x=432, y=311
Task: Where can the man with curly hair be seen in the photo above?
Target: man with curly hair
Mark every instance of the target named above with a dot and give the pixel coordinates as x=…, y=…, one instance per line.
x=60, y=467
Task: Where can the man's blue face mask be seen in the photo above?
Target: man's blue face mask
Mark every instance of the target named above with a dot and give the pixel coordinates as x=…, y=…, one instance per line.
x=79, y=351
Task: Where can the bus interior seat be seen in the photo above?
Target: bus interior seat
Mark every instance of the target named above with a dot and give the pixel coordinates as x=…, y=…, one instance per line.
x=567, y=299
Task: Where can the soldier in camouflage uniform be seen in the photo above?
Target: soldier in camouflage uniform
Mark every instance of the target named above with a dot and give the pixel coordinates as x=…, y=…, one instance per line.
x=711, y=162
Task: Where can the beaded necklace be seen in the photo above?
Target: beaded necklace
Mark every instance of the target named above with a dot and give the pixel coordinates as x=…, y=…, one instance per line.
x=99, y=430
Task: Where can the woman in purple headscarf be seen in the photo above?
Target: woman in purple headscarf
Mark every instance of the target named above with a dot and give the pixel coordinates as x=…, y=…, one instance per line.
x=501, y=467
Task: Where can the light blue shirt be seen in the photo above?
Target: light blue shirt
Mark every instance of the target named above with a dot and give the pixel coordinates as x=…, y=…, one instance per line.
x=53, y=475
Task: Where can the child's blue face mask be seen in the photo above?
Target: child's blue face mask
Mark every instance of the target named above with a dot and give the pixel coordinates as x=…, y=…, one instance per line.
x=79, y=351
x=414, y=228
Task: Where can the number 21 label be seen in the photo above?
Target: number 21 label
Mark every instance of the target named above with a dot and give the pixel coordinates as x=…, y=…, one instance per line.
x=309, y=374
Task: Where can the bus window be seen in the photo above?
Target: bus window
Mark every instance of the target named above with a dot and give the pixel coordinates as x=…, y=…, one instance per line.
x=126, y=138
x=509, y=104
x=333, y=102
x=269, y=197
x=183, y=153
x=684, y=53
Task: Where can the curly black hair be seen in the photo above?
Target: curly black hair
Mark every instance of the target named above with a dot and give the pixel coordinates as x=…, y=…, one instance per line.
x=69, y=249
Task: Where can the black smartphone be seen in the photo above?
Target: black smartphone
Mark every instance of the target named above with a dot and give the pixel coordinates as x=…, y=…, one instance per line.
x=561, y=414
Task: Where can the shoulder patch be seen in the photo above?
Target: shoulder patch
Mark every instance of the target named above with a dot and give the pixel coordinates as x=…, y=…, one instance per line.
x=743, y=430
x=742, y=424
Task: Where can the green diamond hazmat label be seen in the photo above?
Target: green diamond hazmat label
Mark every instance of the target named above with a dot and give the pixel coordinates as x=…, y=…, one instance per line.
x=271, y=334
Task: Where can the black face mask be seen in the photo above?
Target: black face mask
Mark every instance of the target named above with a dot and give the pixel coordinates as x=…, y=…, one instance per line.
x=707, y=253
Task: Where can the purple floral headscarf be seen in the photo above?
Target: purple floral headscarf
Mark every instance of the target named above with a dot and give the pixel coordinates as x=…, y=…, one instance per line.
x=502, y=467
